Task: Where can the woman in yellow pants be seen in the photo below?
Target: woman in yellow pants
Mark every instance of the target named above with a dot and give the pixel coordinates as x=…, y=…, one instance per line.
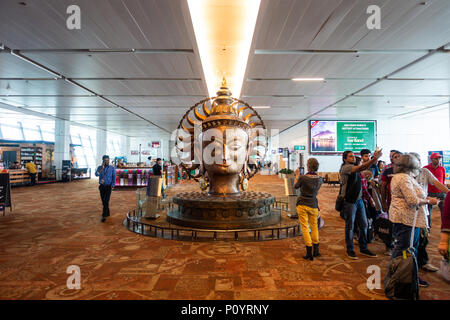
x=308, y=208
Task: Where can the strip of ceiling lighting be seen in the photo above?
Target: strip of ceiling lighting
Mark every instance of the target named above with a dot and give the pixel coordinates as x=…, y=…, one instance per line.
x=224, y=31
x=307, y=79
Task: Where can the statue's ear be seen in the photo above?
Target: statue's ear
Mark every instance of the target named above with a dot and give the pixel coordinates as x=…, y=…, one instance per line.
x=247, y=150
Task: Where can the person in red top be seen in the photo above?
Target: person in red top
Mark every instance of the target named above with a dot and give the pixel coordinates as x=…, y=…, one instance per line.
x=445, y=229
x=439, y=172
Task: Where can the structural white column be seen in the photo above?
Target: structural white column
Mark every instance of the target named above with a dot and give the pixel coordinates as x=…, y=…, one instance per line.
x=62, y=144
x=165, y=148
x=101, y=146
x=126, y=149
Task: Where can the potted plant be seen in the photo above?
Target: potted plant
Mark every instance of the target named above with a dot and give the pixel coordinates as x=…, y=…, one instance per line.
x=286, y=173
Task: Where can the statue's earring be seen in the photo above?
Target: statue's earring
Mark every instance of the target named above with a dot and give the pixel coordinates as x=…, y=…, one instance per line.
x=203, y=181
x=244, y=184
x=243, y=178
x=203, y=184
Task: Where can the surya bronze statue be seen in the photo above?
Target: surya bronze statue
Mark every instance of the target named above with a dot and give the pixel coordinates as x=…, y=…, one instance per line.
x=218, y=139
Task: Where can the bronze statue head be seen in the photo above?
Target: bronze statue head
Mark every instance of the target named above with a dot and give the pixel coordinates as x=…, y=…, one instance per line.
x=225, y=140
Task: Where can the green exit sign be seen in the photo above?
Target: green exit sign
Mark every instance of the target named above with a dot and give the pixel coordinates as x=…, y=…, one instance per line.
x=299, y=147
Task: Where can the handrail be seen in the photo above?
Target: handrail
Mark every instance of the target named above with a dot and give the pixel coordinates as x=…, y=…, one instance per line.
x=131, y=219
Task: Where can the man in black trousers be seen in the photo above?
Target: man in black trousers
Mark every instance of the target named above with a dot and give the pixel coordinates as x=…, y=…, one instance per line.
x=157, y=171
x=107, y=180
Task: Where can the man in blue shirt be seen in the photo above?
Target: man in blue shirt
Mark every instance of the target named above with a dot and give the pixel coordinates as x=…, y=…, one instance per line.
x=107, y=180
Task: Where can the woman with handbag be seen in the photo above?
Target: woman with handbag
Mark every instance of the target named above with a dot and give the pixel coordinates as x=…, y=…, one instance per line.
x=408, y=200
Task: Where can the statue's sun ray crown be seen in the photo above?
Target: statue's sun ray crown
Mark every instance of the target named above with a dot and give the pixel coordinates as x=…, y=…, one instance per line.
x=222, y=110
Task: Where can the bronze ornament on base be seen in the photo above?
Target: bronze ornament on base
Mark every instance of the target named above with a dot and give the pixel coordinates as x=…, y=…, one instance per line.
x=225, y=137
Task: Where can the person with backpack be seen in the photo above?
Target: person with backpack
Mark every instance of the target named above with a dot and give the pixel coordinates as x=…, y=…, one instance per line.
x=445, y=229
x=443, y=246
x=308, y=207
x=408, y=206
x=385, y=191
x=352, y=204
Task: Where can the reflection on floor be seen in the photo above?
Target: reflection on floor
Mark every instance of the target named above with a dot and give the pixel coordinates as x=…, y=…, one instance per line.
x=57, y=225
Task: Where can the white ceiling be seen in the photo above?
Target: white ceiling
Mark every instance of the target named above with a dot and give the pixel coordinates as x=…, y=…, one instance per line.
x=150, y=73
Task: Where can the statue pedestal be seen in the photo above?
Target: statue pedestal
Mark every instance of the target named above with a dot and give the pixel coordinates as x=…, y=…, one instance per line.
x=244, y=211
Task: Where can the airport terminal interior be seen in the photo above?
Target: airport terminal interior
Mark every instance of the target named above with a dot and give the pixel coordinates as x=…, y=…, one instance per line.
x=198, y=149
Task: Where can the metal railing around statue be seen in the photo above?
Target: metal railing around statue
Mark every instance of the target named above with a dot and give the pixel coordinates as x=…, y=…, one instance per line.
x=136, y=222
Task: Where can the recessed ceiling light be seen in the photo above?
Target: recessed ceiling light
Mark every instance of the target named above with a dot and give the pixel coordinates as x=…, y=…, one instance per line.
x=307, y=79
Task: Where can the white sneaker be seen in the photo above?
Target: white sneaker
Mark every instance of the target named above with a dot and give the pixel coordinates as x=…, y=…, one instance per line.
x=430, y=268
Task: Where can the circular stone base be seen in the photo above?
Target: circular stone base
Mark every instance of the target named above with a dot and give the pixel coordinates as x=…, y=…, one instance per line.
x=244, y=211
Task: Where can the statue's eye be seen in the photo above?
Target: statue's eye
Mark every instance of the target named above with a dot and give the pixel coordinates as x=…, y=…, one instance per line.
x=235, y=146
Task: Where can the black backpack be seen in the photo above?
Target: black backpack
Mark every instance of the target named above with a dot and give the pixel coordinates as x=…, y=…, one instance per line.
x=402, y=279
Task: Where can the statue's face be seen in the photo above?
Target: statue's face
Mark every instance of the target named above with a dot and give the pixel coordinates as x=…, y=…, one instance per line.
x=224, y=150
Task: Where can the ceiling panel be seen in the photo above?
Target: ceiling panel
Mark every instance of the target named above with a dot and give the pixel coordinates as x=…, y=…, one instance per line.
x=55, y=101
x=331, y=24
x=288, y=66
x=436, y=66
x=278, y=125
x=289, y=87
x=145, y=87
x=76, y=110
x=39, y=87
x=155, y=100
x=97, y=117
x=409, y=87
x=332, y=115
x=392, y=101
x=366, y=110
x=14, y=67
x=120, y=65
x=159, y=112
x=318, y=101
x=41, y=24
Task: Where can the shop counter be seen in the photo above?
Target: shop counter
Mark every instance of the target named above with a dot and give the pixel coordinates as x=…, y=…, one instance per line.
x=80, y=173
x=133, y=177
x=19, y=177
x=138, y=176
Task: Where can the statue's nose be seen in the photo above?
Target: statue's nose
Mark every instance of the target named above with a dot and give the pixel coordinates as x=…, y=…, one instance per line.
x=224, y=153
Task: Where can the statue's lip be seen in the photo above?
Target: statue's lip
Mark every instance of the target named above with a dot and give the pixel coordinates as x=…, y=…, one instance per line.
x=223, y=165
